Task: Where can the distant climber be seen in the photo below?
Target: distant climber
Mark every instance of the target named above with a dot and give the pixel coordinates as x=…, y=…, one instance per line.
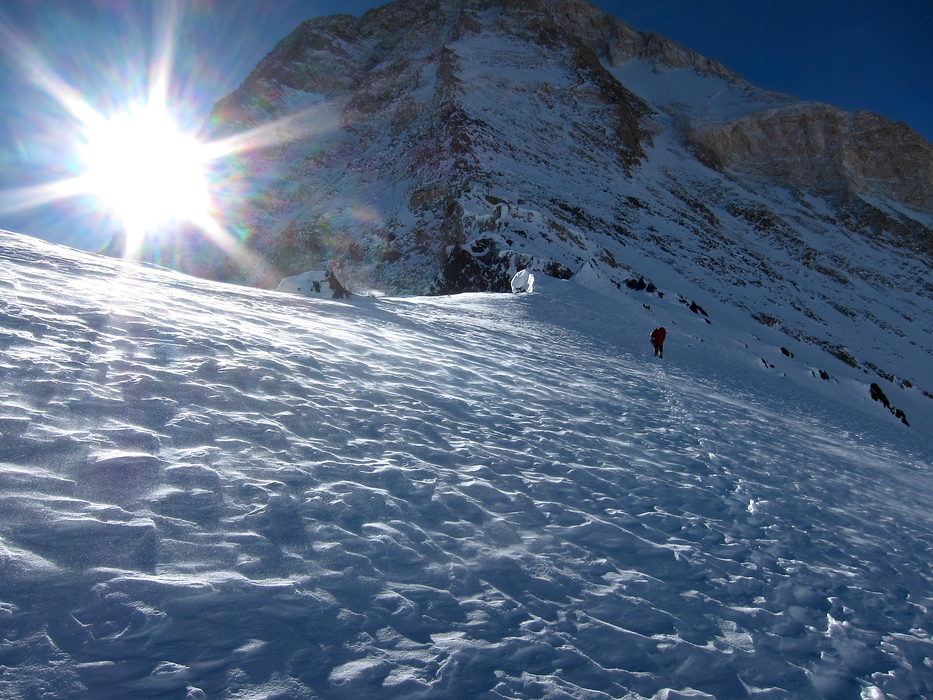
x=657, y=340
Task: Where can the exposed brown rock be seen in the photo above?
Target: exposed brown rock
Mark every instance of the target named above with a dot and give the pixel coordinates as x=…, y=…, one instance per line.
x=819, y=147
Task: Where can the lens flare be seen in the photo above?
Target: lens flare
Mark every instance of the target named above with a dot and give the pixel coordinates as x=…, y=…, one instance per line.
x=133, y=160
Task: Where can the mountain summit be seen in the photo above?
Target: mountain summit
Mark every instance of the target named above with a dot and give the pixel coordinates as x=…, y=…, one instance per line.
x=432, y=146
x=438, y=147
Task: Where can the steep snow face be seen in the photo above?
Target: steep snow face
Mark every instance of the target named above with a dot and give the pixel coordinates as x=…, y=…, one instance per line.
x=214, y=491
x=687, y=92
x=441, y=147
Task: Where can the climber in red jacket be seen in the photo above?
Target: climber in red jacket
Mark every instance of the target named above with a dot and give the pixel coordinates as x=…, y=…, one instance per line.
x=657, y=340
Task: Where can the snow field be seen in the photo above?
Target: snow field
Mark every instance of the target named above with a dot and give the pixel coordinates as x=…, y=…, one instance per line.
x=211, y=491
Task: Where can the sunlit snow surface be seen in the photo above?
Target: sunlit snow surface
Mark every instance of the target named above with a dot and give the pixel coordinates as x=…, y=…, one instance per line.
x=210, y=491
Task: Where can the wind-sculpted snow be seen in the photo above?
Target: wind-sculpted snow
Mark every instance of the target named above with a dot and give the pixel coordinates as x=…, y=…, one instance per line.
x=216, y=492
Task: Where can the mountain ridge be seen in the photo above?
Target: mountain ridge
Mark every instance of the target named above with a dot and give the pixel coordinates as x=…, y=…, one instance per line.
x=373, y=79
x=439, y=147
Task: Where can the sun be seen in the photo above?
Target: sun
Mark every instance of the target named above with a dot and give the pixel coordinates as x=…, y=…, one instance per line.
x=146, y=171
x=140, y=169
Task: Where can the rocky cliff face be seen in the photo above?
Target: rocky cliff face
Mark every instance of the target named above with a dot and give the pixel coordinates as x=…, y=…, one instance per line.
x=821, y=148
x=437, y=146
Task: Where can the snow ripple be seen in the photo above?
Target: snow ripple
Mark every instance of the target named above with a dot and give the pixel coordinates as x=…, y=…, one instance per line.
x=209, y=491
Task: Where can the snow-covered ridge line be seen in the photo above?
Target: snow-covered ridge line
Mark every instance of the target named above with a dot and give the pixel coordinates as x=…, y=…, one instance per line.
x=214, y=491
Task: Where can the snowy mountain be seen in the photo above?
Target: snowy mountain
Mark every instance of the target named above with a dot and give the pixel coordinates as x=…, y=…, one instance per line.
x=436, y=146
x=213, y=491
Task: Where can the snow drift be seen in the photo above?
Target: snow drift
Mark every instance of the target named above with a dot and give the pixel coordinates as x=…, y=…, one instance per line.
x=217, y=492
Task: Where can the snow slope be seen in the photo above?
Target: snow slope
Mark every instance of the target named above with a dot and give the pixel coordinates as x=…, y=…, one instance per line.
x=209, y=491
x=450, y=144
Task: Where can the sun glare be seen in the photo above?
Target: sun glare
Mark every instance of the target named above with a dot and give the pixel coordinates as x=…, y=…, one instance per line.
x=146, y=171
x=143, y=170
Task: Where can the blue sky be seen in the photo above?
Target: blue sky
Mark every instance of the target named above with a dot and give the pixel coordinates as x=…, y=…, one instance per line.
x=858, y=54
x=855, y=54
